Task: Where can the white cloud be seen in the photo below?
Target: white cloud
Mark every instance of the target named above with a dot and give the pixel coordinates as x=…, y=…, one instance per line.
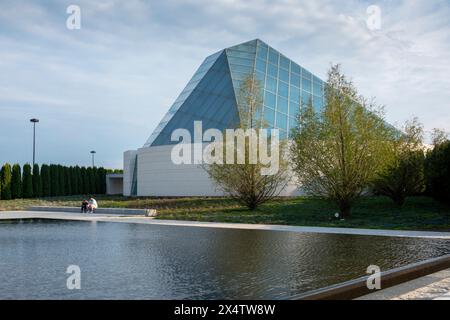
x=131, y=59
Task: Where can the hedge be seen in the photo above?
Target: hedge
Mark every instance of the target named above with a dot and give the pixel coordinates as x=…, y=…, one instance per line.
x=50, y=180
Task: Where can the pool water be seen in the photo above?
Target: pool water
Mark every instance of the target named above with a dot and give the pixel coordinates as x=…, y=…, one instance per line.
x=137, y=261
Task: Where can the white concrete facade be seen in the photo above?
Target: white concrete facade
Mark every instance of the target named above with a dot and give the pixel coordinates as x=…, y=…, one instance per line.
x=114, y=183
x=157, y=175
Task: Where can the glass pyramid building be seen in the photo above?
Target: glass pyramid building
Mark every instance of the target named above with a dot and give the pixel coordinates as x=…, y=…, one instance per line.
x=210, y=96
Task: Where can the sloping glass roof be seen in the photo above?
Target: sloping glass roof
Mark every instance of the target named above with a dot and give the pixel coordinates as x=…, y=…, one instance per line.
x=210, y=96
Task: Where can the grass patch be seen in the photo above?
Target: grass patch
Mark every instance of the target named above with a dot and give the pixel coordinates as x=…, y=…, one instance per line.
x=418, y=213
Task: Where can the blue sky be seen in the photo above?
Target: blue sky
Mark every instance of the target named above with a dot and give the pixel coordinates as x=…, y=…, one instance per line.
x=107, y=85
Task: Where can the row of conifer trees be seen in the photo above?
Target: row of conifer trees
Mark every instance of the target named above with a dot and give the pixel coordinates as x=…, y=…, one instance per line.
x=50, y=180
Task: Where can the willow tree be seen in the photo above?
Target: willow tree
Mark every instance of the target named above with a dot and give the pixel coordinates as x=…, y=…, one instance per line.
x=245, y=174
x=338, y=151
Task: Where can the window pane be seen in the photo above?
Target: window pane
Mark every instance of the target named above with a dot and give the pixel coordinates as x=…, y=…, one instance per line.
x=306, y=85
x=294, y=94
x=295, y=68
x=262, y=52
x=317, y=80
x=242, y=61
x=272, y=70
x=273, y=56
x=294, y=109
x=260, y=77
x=281, y=121
x=283, y=89
x=270, y=99
x=317, y=103
x=284, y=62
x=305, y=97
x=295, y=80
x=292, y=123
x=260, y=65
x=317, y=89
x=284, y=75
x=271, y=84
x=269, y=115
x=282, y=105
x=240, y=68
x=306, y=74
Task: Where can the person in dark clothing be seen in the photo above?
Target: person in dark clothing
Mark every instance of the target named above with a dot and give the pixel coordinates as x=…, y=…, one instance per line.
x=84, y=206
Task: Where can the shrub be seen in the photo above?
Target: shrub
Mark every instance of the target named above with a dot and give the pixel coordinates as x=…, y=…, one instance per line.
x=27, y=182
x=6, y=181
x=61, y=182
x=84, y=184
x=437, y=172
x=403, y=174
x=37, y=183
x=46, y=181
x=76, y=180
x=16, y=182
x=402, y=179
x=54, y=180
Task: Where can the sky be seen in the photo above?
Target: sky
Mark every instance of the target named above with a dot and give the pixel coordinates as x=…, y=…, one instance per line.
x=106, y=86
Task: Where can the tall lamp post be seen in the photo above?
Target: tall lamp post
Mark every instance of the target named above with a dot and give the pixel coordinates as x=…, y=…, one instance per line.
x=34, y=121
x=93, y=155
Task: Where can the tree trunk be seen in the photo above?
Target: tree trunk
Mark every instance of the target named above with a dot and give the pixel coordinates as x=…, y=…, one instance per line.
x=399, y=200
x=344, y=209
x=251, y=205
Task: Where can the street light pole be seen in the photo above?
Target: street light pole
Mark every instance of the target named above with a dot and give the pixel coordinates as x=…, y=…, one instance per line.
x=93, y=154
x=34, y=121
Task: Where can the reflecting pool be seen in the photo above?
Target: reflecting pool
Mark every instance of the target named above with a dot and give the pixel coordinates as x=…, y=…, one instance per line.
x=137, y=261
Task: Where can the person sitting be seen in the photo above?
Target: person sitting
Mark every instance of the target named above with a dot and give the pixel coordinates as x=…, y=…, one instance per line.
x=84, y=206
x=92, y=205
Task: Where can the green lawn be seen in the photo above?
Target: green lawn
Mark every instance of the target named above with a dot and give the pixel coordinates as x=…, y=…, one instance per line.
x=419, y=213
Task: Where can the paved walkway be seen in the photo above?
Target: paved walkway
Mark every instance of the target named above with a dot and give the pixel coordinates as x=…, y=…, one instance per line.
x=4, y=215
x=435, y=286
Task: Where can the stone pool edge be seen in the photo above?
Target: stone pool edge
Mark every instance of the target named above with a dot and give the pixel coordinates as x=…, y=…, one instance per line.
x=11, y=215
x=357, y=288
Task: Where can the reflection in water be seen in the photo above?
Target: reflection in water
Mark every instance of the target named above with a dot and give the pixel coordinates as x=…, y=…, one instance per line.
x=134, y=261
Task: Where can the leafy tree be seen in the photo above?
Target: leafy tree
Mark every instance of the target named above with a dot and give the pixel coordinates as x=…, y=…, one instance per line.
x=439, y=136
x=27, y=182
x=37, y=183
x=437, y=172
x=338, y=151
x=244, y=181
x=404, y=174
x=6, y=181
x=16, y=182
